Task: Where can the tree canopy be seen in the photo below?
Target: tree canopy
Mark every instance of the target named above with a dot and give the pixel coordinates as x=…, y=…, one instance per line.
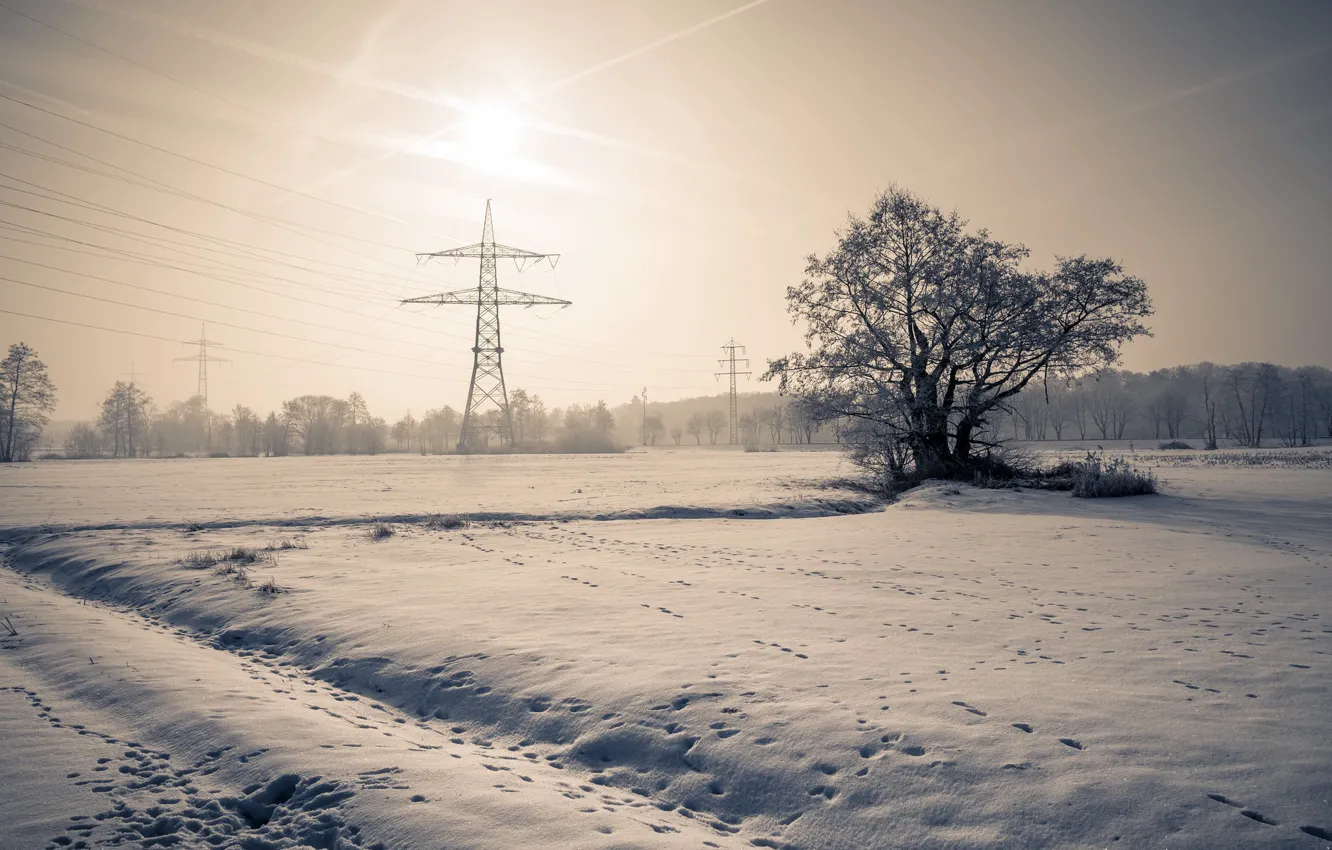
x=919, y=328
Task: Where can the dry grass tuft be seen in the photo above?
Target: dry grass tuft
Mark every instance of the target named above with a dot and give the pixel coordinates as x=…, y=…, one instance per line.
x=270, y=587
x=446, y=522
x=382, y=531
x=236, y=572
x=202, y=559
x=283, y=543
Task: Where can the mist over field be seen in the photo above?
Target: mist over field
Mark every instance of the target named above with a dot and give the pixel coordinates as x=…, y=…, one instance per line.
x=695, y=425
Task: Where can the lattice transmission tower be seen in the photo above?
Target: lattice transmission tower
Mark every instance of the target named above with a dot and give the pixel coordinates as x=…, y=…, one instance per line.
x=487, y=362
x=203, y=358
x=729, y=362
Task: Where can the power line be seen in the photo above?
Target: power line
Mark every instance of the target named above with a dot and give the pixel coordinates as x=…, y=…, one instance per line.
x=258, y=180
x=553, y=337
x=163, y=74
x=233, y=350
x=154, y=185
x=174, y=314
x=267, y=354
x=248, y=310
x=274, y=222
x=64, y=197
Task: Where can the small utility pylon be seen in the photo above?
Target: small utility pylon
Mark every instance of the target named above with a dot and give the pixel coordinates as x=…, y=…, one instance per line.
x=730, y=361
x=487, y=368
x=203, y=358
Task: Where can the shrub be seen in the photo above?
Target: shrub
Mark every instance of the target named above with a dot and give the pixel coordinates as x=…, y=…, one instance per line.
x=1175, y=444
x=1099, y=479
x=219, y=454
x=382, y=531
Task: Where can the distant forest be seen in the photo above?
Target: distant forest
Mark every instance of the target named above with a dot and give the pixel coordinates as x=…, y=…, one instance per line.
x=1248, y=404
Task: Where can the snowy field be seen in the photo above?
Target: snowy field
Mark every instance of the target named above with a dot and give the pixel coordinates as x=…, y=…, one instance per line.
x=661, y=649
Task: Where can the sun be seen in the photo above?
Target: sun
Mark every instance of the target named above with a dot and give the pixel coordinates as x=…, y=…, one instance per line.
x=491, y=136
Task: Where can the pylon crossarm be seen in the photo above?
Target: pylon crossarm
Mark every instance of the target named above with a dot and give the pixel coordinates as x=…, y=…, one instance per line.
x=458, y=296
x=513, y=297
x=503, y=298
x=483, y=249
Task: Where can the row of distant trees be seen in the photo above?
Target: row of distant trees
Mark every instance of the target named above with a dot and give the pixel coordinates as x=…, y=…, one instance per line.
x=783, y=421
x=131, y=425
x=1243, y=404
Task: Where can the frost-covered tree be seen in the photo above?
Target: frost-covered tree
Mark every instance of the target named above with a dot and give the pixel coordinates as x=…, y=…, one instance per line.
x=27, y=397
x=125, y=418
x=923, y=329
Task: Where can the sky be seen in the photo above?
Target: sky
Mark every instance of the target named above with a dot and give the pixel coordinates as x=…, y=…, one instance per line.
x=272, y=169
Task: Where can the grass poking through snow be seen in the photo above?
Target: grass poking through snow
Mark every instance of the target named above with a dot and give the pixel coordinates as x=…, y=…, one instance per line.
x=445, y=522
x=283, y=543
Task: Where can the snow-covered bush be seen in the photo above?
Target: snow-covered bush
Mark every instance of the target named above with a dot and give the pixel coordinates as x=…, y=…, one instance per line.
x=1096, y=478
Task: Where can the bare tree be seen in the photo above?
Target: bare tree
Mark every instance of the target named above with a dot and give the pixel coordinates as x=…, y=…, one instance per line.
x=358, y=415
x=1111, y=404
x=749, y=429
x=1058, y=407
x=1079, y=404
x=653, y=427
x=1209, y=382
x=404, y=430
x=776, y=422
x=437, y=428
x=520, y=409
x=28, y=396
x=1254, y=388
x=83, y=441
x=924, y=329
x=676, y=433
x=714, y=421
x=538, y=418
x=1030, y=408
x=277, y=436
x=317, y=420
x=124, y=420
x=696, y=426
x=250, y=430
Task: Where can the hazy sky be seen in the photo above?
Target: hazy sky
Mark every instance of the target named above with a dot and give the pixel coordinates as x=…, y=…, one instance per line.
x=683, y=157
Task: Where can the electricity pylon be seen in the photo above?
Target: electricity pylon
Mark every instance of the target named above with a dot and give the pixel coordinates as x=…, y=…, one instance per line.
x=487, y=367
x=203, y=358
x=730, y=362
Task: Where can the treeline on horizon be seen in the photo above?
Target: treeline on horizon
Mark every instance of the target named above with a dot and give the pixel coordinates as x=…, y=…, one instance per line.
x=1246, y=404
x=131, y=425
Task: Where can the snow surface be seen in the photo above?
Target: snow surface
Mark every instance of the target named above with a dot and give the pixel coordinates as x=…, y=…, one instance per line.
x=639, y=665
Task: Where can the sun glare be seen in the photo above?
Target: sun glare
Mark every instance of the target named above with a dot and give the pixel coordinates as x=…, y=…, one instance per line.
x=491, y=137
